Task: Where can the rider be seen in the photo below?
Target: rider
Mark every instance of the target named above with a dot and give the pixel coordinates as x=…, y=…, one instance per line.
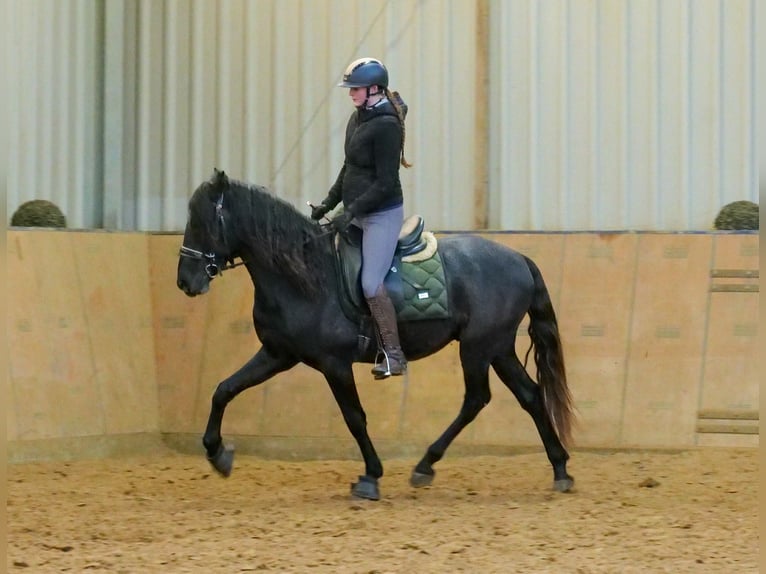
x=369, y=186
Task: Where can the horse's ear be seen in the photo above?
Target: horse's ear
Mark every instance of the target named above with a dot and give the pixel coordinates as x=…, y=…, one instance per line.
x=219, y=177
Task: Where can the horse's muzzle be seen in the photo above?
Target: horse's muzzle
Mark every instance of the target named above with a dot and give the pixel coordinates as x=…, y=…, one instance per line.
x=190, y=291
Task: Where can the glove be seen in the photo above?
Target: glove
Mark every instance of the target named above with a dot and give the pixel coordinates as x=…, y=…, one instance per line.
x=341, y=222
x=319, y=211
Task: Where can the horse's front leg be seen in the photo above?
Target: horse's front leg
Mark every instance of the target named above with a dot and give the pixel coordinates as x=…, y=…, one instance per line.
x=260, y=368
x=343, y=388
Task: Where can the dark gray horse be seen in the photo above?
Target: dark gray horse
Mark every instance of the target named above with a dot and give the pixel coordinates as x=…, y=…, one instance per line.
x=298, y=319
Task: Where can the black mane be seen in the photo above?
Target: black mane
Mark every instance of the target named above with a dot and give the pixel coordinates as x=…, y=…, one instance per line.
x=273, y=234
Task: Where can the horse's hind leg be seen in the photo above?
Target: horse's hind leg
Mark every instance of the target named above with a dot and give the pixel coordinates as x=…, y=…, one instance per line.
x=477, y=396
x=527, y=392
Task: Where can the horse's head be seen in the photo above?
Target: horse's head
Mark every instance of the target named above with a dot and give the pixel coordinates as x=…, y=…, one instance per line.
x=207, y=245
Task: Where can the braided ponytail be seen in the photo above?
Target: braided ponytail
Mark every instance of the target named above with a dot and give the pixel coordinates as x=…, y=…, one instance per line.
x=401, y=111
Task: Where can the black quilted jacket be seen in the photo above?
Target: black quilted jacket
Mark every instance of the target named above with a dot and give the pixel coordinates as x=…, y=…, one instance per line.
x=369, y=178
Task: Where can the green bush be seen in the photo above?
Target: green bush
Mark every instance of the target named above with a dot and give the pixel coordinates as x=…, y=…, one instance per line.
x=38, y=213
x=737, y=215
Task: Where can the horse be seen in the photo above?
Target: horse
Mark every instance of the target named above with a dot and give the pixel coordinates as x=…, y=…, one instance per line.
x=298, y=318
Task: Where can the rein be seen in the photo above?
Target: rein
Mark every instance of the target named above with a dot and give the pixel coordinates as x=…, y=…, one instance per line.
x=328, y=231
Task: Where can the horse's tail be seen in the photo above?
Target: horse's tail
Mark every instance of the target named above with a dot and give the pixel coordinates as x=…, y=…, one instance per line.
x=549, y=358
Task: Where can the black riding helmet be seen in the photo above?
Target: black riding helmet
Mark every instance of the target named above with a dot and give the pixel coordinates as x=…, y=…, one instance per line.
x=365, y=72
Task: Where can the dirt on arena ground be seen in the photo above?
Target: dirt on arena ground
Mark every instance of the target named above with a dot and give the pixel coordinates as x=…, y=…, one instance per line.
x=693, y=511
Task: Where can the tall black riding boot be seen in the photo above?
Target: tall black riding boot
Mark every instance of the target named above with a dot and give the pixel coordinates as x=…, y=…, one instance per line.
x=384, y=314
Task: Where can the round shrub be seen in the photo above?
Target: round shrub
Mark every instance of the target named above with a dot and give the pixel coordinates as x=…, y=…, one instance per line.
x=38, y=213
x=737, y=215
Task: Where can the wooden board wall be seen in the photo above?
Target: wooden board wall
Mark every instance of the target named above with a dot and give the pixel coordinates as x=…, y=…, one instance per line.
x=102, y=343
x=81, y=360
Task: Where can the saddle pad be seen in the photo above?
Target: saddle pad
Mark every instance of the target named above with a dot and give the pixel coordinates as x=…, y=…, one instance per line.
x=424, y=287
x=423, y=292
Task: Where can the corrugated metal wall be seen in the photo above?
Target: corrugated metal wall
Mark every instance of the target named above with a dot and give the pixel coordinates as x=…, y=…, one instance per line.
x=54, y=97
x=248, y=87
x=621, y=114
x=524, y=114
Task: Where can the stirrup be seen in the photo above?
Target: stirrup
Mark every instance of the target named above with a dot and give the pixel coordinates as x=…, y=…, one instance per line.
x=382, y=369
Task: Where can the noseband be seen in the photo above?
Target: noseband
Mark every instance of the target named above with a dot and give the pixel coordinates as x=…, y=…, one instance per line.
x=212, y=269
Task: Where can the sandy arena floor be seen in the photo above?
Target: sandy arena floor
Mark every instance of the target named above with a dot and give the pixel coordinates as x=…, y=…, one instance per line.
x=694, y=511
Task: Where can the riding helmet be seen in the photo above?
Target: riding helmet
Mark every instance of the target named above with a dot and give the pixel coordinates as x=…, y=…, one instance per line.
x=365, y=72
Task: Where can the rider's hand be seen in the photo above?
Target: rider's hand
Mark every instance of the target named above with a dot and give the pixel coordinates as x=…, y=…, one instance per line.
x=341, y=222
x=319, y=211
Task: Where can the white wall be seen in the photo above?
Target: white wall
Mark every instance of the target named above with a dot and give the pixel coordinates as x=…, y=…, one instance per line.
x=579, y=114
x=54, y=105
x=621, y=114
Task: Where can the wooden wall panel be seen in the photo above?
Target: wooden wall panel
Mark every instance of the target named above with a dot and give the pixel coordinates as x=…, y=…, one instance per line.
x=179, y=327
x=594, y=317
x=53, y=381
x=113, y=285
x=666, y=340
x=503, y=422
x=434, y=394
x=81, y=359
x=103, y=344
x=28, y=397
x=383, y=402
x=228, y=337
x=729, y=382
x=297, y=403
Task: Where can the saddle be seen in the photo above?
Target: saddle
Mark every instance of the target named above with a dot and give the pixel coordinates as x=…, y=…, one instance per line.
x=348, y=255
x=415, y=281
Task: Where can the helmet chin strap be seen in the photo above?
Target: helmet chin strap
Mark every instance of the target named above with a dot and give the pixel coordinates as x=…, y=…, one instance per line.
x=367, y=97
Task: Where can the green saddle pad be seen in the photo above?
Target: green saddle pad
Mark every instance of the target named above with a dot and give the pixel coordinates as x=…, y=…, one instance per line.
x=424, y=285
x=423, y=282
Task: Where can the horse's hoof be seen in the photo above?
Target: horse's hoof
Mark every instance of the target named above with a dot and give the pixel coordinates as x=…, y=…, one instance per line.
x=366, y=487
x=420, y=479
x=564, y=484
x=223, y=460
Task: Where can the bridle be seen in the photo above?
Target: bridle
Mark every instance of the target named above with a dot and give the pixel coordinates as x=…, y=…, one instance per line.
x=213, y=269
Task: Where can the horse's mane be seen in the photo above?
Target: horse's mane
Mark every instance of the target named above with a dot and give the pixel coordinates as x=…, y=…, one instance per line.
x=275, y=235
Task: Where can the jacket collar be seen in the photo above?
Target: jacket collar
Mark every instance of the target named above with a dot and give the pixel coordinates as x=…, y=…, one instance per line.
x=383, y=108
